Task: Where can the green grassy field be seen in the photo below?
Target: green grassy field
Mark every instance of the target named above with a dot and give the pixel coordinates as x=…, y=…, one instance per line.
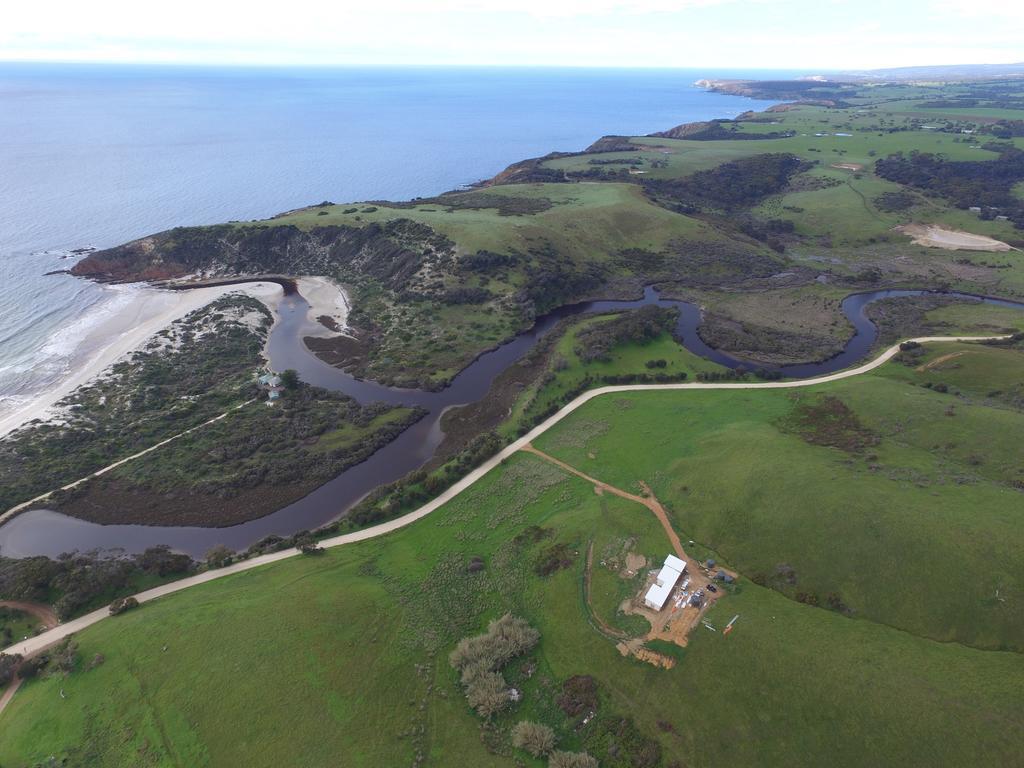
x=585, y=221
x=882, y=528
x=342, y=658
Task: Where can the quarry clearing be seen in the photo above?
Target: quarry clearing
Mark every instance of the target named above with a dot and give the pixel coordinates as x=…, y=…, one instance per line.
x=933, y=236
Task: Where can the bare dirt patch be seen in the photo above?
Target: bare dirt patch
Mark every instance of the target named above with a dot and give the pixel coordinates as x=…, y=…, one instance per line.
x=939, y=361
x=848, y=166
x=933, y=236
x=634, y=562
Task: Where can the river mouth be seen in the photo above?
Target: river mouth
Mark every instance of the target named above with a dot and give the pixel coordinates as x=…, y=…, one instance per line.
x=45, y=532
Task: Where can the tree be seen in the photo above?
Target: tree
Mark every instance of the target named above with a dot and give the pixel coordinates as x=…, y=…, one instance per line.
x=32, y=667
x=219, y=556
x=8, y=666
x=488, y=694
x=290, y=379
x=571, y=760
x=123, y=604
x=535, y=738
x=306, y=543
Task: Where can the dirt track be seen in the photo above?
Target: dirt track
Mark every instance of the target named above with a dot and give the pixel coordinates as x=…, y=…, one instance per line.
x=48, y=619
x=55, y=635
x=42, y=612
x=648, y=501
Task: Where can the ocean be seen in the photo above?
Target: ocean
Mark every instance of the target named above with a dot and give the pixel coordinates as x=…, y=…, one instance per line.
x=94, y=155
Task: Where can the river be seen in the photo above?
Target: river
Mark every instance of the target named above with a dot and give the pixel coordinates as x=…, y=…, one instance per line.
x=45, y=532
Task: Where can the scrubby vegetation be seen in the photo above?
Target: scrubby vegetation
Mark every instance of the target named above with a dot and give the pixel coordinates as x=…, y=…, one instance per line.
x=198, y=368
x=76, y=583
x=639, y=327
x=830, y=422
x=729, y=185
x=986, y=184
x=256, y=460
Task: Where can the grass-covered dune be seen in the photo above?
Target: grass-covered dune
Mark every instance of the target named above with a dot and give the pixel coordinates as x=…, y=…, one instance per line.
x=870, y=540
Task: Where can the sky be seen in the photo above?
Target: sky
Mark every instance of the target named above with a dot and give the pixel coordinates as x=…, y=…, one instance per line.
x=746, y=34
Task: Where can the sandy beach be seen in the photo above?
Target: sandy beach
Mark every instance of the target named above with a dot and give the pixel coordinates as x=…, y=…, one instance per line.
x=148, y=311
x=326, y=299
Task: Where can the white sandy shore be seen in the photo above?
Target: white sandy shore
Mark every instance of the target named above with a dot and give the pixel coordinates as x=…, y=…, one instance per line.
x=326, y=298
x=150, y=311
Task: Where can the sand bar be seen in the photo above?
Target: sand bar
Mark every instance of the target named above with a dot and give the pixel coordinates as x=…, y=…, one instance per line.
x=326, y=299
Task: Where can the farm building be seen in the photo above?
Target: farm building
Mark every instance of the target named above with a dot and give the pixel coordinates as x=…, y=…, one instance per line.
x=664, y=582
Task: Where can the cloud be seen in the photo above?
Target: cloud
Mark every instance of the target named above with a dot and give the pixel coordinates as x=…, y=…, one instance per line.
x=805, y=34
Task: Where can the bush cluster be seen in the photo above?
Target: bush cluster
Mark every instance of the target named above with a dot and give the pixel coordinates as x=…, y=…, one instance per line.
x=478, y=660
x=123, y=604
x=638, y=327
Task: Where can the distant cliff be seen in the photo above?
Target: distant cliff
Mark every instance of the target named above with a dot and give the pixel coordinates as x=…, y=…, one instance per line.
x=811, y=91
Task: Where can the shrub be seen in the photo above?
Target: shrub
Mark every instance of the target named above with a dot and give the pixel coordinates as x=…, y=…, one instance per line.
x=479, y=658
x=535, y=738
x=571, y=760
x=32, y=667
x=8, y=665
x=579, y=695
x=79, y=582
x=553, y=559
x=307, y=544
x=65, y=657
x=219, y=556
x=487, y=693
x=123, y=604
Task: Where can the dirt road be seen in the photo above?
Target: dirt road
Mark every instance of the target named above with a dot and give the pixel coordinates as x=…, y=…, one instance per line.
x=53, y=636
x=42, y=612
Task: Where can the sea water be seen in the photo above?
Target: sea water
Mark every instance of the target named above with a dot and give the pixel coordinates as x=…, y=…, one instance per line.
x=93, y=156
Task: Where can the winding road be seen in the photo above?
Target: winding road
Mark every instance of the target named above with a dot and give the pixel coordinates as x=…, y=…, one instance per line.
x=49, y=638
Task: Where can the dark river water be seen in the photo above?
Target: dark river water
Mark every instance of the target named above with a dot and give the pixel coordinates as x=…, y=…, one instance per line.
x=45, y=532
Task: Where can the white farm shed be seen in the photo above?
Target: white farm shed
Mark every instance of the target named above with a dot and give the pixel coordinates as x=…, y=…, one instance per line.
x=664, y=582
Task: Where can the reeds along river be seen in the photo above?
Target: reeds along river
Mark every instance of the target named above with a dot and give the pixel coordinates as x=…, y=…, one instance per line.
x=44, y=532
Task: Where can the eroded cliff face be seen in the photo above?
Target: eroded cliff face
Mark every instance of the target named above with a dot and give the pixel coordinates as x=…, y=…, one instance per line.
x=392, y=253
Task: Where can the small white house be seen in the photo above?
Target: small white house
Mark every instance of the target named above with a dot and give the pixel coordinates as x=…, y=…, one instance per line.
x=664, y=582
x=271, y=384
